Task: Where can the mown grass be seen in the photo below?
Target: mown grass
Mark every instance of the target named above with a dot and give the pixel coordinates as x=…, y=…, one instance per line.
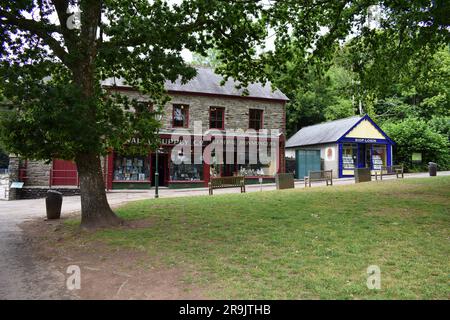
x=303, y=244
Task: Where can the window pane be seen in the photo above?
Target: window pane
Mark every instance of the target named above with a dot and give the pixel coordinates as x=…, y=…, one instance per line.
x=131, y=168
x=255, y=119
x=180, y=115
x=186, y=172
x=256, y=169
x=349, y=156
x=379, y=156
x=216, y=118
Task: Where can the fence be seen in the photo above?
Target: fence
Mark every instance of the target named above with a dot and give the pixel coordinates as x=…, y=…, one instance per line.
x=64, y=178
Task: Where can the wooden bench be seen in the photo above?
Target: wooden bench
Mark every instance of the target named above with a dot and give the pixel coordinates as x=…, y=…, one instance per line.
x=323, y=175
x=226, y=182
x=388, y=171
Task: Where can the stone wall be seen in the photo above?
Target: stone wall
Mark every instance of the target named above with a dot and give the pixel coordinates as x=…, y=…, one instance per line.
x=41, y=192
x=13, y=168
x=38, y=173
x=236, y=110
x=236, y=117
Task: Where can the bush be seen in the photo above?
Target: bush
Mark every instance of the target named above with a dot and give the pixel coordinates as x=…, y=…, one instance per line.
x=441, y=125
x=414, y=135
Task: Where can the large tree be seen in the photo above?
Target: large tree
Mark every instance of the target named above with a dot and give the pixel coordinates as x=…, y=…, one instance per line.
x=51, y=68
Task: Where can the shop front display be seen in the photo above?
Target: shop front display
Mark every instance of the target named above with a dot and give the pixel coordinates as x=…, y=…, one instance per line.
x=187, y=169
x=130, y=172
x=135, y=169
x=359, y=141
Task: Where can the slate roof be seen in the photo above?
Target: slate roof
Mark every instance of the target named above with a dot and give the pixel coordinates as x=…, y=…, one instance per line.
x=208, y=82
x=326, y=132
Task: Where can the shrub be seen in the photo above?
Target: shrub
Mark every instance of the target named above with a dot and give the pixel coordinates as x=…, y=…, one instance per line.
x=413, y=135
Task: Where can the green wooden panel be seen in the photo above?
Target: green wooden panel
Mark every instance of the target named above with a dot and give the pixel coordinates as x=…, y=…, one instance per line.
x=307, y=160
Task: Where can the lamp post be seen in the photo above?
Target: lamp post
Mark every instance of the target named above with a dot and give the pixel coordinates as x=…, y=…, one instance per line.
x=158, y=118
x=156, y=174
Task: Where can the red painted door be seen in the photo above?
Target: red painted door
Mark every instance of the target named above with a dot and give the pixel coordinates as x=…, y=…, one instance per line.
x=64, y=173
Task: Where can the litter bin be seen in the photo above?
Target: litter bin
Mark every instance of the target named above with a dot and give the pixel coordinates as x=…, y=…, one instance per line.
x=432, y=169
x=53, y=203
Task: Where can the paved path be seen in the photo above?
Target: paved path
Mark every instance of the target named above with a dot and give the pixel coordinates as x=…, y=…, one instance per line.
x=21, y=278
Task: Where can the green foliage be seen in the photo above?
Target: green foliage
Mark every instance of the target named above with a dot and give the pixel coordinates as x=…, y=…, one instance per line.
x=211, y=59
x=423, y=91
x=414, y=135
x=441, y=125
x=141, y=42
x=397, y=61
x=319, y=97
x=4, y=159
x=342, y=108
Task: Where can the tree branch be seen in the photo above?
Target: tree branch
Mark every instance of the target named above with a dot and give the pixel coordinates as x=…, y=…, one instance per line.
x=61, y=10
x=39, y=29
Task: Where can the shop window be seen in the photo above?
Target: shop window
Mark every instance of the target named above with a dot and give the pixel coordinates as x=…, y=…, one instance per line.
x=255, y=119
x=256, y=169
x=349, y=156
x=180, y=116
x=378, y=156
x=215, y=166
x=216, y=118
x=131, y=168
x=186, y=170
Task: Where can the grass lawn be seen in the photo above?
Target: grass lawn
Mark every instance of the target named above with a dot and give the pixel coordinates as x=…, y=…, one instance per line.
x=303, y=244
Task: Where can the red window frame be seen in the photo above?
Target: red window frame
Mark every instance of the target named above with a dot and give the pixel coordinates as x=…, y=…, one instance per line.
x=255, y=116
x=212, y=110
x=184, y=107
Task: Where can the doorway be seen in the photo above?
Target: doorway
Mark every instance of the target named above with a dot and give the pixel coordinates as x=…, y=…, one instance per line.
x=162, y=169
x=228, y=170
x=64, y=173
x=307, y=160
x=364, y=156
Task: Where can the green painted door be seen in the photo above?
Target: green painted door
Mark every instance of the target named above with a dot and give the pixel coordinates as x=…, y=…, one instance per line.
x=307, y=160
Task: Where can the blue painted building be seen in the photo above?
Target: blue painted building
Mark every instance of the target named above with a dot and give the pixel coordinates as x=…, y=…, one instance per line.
x=341, y=146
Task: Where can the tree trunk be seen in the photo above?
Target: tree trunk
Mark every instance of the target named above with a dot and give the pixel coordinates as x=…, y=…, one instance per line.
x=95, y=210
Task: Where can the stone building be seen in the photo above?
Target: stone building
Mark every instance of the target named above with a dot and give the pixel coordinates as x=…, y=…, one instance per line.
x=202, y=104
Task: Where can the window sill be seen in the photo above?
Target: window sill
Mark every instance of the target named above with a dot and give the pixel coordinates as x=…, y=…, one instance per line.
x=131, y=181
x=186, y=181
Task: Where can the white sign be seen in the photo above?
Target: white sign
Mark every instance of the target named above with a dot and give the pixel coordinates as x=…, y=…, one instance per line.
x=330, y=154
x=16, y=185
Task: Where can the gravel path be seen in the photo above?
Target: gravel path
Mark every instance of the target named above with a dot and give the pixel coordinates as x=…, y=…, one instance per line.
x=21, y=277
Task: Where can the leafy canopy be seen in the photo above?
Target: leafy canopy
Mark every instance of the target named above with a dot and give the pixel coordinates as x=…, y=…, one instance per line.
x=51, y=72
